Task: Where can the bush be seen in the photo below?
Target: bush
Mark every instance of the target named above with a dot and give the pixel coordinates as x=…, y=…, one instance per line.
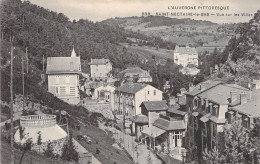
x=97, y=151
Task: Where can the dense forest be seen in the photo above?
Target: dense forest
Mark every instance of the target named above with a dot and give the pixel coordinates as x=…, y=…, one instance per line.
x=48, y=33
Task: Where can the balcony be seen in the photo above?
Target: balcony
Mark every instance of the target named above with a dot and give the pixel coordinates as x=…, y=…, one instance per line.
x=38, y=121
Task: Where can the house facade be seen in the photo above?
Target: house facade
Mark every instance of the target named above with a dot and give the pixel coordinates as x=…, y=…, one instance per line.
x=100, y=68
x=150, y=111
x=247, y=112
x=207, y=105
x=63, y=77
x=106, y=93
x=185, y=56
x=129, y=97
x=138, y=73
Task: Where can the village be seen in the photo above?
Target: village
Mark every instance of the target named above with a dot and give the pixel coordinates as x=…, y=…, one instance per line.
x=127, y=90
x=150, y=128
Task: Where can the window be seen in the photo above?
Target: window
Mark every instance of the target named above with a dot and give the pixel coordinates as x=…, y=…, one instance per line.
x=67, y=79
x=57, y=90
x=141, y=128
x=71, y=66
x=154, y=92
x=148, y=92
x=57, y=79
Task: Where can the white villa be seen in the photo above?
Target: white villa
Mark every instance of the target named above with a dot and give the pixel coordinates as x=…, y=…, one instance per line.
x=185, y=56
x=63, y=77
x=100, y=68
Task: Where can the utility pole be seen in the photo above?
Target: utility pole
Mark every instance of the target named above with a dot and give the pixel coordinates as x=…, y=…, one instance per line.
x=43, y=60
x=27, y=59
x=23, y=80
x=11, y=101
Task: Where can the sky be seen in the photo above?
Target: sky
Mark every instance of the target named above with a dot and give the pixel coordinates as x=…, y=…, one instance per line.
x=98, y=10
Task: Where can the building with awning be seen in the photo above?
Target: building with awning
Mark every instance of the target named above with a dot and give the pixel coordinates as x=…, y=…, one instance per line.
x=153, y=136
x=166, y=131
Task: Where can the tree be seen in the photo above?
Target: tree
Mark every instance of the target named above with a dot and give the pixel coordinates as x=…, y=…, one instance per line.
x=48, y=152
x=236, y=145
x=236, y=142
x=25, y=147
x=69, y=152
x=213, y=157
x=39, y=139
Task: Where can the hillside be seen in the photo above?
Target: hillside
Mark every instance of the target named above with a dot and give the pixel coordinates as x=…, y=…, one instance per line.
x=179, y=31
x=243, y=51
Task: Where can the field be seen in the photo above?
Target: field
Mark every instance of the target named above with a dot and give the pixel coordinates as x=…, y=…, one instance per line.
x=103, y=142
x=146, y=52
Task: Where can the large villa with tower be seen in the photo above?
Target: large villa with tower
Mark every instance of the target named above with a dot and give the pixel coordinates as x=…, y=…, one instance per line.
x=63, y=77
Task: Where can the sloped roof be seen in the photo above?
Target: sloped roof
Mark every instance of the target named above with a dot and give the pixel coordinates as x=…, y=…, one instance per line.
x=252, y=107
x=185, y=50
x=99, y=61
x=166, y=124
x=140, y=118
x=207, y=85
x=153, y=131
x=221, y=94
x=133, y=70
x=131, y=87
x=155, y=105
x=175, y=109
x=61, y=65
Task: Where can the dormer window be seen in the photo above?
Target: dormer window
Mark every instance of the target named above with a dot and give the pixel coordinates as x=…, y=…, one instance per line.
x=215, y=110
x=71, y=66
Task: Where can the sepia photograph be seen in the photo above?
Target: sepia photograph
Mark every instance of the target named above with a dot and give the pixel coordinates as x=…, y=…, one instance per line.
x=130, y=82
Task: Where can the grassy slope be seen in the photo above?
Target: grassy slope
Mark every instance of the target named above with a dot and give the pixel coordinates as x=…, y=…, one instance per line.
x=29, y=157
x=145, y=52
x=108, y=154
x=169, y=33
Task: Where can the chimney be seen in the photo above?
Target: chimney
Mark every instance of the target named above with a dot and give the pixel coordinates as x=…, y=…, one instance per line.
x=202, y=101
x=206, y=102
x=191, y=87
x=202, y=87
x=183, y=90
x=178, y=97
x=243, y=98
x=172, y=101
x=233, y=96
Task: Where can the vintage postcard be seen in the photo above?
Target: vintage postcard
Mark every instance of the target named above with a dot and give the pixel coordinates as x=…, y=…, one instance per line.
x=122, y=82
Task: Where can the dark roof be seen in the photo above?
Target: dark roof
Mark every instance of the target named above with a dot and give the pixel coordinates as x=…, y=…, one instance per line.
x=252, y=107
x=168, y=124
x=140, y=119
x=133, y=70
x=99, y=61
x=155, y=105
x=185, y=50
x=131, y=87
x=175, y=109
x=59, y=65
x=221, y=93
x=206, y=85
